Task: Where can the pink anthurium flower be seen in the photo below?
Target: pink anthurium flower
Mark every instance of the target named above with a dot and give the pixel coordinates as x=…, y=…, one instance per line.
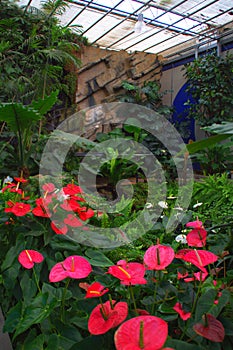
x=200, y=258
x=197, y=237
x=158, y=257
x=183, y=314
x=141, y=332
x=96, y=289
x=128, y=273
x=106, y=316
x=74, y=267
x=195, y=224
x=27, y=258
x=211, y=329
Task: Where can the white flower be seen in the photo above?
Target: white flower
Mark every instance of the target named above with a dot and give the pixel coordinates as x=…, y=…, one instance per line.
x=61, y=196
x=197, y=205
x=148, y=205
x=7, y=180
x=163, y=204
x=179, y=208
x=181, y=239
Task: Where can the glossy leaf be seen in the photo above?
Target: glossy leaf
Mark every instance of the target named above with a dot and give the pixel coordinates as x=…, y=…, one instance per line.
x=97, y=258
x=35, y=313
x=210, y=328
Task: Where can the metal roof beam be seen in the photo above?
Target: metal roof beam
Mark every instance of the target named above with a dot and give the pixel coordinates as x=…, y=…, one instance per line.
x=199, y=34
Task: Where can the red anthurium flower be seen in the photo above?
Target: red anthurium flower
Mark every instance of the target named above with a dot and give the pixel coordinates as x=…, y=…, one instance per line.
x=200, y=258
x=10, y=185
x=42, y=209
x=212, y=329
x=49, y=187
x=72, y=189
x=142, y=312
x=73, y=221
x=141, y=332
x=158, y=257
x=28, y=258
x=96, y=289
x=85, y=213
x=197, y=237
x=182, y=275
x=59, y=228
x=74, y=267
x=181, y=253
x=10, y=205
x=128, y=273
x=107, y=316
x=70, y=205
x=195, y=224
x=183, y=314
x=20, y=179
x=18, y=209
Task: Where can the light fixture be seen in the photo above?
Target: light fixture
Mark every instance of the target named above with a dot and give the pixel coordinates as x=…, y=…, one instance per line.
x=140, y=26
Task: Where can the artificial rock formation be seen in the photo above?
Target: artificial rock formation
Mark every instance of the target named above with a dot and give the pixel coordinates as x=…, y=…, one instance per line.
x=102, y=73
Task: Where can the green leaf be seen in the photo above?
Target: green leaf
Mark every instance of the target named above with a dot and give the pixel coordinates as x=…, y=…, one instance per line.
x=202, y=144
x=34, y=341
x=90, y=343
x=17, y=116
x=181, y=345
x=45, y=104
x=63, y=243
x=55, y=293
x=223, y=128
x=204, y=304
x=28, y=287
x=38, y=310
x=13, y=318
x=222, y=301
x=97, y=258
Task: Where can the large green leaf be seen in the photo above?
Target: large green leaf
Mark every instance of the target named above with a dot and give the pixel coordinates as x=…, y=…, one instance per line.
x=45, y=104
x=181, y=345
x=97, y=258
x=17, y=116
x=202, y=144
x=38, y=310
x=206, y=303
x=223, y=128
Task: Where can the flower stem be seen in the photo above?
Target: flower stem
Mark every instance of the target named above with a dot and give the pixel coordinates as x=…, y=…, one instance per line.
x=36, y=279
x=63, y=299
x=133, y=299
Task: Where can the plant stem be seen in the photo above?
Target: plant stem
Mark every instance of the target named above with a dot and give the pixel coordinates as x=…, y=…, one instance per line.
x=36, y=279
x=63, y=299
x=133, y=299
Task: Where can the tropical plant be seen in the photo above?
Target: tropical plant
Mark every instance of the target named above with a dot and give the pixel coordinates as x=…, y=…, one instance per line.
x=210, y=82
x=149, y=95
x=21, y=121
x=37, y=54
x=59, y=293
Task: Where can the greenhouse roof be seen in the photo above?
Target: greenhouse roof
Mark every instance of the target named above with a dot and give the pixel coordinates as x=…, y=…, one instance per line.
x=171, y=25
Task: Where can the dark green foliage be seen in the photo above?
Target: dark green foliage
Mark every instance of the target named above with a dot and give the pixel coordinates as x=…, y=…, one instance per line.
x=36, y=53
x=211, y=83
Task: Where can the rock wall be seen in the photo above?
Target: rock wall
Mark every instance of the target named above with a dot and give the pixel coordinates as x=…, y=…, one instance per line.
x=102, y=72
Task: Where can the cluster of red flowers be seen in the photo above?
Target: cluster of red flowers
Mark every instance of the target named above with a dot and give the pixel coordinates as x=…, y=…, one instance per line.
x=144, y=331
x=73, y=211
x=141, y=332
